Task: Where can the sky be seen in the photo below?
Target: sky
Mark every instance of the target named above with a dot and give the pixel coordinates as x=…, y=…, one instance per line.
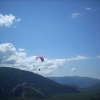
x=65, y=32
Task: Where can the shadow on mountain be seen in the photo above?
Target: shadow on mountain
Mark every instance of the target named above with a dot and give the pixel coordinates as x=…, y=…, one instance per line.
x=76, y=81
x=15, y=83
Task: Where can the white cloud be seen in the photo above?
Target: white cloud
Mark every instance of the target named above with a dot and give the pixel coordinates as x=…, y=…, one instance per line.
x=73, y=69
x=77, y=58
x=17, y=20
x=89, y=9
x=75, y=15
x=7, y=20
x=10, y=57
x=21, y=49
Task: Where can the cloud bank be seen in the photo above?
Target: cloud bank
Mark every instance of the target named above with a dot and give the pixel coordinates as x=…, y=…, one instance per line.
x=11, y=57
x=8, y=20
x=77, y=58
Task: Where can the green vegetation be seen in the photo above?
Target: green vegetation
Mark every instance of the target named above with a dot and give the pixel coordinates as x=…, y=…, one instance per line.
x=15, y=83
x=76, y=80
x=85, y=94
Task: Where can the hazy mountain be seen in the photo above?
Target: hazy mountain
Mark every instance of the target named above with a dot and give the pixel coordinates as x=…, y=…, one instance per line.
x=76, y=80
x=20, y=83
x=96, y=86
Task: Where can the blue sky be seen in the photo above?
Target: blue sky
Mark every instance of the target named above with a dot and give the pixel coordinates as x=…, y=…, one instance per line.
x=65, y=32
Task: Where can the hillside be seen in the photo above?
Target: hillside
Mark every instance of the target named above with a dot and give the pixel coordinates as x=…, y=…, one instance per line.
x=96, y=86
x=76, y=80
x=20, y=83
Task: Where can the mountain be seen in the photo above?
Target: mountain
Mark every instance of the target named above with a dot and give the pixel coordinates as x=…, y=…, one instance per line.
x=96, y=85
x=15, y=83
x=76, y=80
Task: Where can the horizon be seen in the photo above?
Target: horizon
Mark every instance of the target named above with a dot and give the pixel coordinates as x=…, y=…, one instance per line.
x=65, y=33
x=52, y=76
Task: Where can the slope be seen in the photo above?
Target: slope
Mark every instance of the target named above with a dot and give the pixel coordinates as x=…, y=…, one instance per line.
x=20, y=83
x=76, y=80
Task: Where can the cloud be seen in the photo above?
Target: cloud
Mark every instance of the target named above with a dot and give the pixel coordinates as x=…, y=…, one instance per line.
x=89, y=9
x=10, y=57
x=20, y=49
x=73, y=69
x=98, y=56
x=17, y=20
x=75, y=15
x=77, y=58
x=7, y=20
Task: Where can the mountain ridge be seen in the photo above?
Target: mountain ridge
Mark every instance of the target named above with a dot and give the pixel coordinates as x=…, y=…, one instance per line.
x=20, y=83
x=76, y=80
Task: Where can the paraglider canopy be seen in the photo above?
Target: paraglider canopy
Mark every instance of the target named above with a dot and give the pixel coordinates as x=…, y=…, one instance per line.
x=40, y=57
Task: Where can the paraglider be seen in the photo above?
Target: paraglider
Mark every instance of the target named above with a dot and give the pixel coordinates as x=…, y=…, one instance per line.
x=40, y=57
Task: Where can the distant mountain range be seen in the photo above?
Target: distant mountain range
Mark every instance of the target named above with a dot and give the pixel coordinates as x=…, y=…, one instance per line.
x=15, y=83
x=96, y=85
x=76, y=81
